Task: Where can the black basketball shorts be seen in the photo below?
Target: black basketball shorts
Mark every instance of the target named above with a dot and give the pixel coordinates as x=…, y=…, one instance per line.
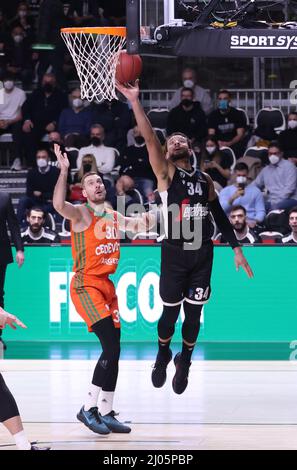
x=185, y=274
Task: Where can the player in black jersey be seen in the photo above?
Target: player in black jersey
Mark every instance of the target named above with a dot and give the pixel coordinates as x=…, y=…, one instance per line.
x=188, y=197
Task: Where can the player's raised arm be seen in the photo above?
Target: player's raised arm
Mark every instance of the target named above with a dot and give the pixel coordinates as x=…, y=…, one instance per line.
x=226, y=228
x=67, y=210
x=156, y=155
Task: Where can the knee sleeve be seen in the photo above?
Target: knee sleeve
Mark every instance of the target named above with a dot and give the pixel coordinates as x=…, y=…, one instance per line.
x=8, y=406
x=191, y=324
x=166, y=324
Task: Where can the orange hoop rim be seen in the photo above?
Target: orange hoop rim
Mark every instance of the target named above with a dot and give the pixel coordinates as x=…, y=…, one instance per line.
x=110, y=31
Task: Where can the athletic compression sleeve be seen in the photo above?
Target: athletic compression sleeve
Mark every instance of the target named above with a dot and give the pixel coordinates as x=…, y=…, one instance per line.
x=223, y=222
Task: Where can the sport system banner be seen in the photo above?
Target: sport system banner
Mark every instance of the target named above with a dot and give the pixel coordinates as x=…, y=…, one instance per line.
x=240, y=309
x=236, y=42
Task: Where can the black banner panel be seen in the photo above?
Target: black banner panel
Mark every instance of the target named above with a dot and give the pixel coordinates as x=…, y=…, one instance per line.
x=237, y=42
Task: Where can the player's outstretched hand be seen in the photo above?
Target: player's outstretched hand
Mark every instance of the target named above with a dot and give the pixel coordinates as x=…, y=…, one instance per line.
x=62, y=158
x=9, y=319
x=240, y=260
x=131, y=92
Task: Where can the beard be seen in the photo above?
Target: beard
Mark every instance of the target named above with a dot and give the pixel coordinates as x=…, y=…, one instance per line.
x=180, y=154
x=239, y=227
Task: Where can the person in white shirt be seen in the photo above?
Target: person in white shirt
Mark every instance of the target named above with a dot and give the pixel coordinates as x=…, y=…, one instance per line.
x=105, y=156
x=11, y=101
x=189, y=79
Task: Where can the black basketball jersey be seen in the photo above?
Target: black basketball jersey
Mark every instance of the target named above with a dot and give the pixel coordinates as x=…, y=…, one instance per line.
x=185, y=208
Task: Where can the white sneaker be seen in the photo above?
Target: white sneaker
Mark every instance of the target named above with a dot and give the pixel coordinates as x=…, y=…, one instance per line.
x=16, y=165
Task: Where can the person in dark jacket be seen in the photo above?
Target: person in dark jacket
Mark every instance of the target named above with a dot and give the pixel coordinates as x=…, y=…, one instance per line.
x=41, y=112
x=188, y=117
x=7, y=217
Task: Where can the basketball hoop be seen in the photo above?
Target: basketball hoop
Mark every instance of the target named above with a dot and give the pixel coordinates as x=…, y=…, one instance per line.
x=95, y=53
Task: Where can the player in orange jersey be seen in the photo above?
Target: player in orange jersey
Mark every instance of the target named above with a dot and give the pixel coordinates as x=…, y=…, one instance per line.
x=96, y=251
x=9, y=413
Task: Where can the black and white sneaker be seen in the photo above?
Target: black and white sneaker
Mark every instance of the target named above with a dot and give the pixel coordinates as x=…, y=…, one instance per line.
x=180, y=379
x=159, y=368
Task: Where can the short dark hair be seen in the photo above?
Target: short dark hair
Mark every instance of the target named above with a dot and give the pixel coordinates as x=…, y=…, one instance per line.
x=237, y=208
x=294, y=209
x=241, y=166
x=225, y=91
x=37, y=209
x=275, y=143
x=178, y=133
x=90, y=173
x=186, y=88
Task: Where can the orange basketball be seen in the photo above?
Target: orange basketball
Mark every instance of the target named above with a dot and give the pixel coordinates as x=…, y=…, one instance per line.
x=129, y=68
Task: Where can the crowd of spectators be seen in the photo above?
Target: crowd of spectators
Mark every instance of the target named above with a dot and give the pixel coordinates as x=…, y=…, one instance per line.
x=103, y=137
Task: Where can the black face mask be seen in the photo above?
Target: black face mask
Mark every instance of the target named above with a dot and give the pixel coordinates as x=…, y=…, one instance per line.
x=48, y=88
x=87, y=167
x=139, y=140
x=96, y=141
x=187, y=102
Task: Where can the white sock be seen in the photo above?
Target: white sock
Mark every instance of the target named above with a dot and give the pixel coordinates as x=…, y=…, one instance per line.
x=92, y=397
x=21, y=441
x=105, y=402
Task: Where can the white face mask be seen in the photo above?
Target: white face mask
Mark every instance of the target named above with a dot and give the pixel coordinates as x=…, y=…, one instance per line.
x=18, y=38
x=241, y=179
x=292, y=124
x=188, y=83
x=77, y=103
x=8, y=84
x=274, y=159
x=41, y=162
x=210, y=150
x=22, y=13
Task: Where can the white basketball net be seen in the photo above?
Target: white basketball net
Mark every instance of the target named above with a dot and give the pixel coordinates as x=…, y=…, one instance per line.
x=95, y=57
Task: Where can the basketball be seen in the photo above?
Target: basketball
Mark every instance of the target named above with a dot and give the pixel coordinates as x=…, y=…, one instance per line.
x=129, y=68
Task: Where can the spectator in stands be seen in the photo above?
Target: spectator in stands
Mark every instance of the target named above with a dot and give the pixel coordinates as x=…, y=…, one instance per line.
x=105, y=156
x=87, y=13
x=124, y=187
x=36, y=232
x=11, y=100
x=189, y=80
x=18, y=56
x=292, y=237
x=41, y=113
x=279, y=179
x=135, y=163
x=24, y=20
x=215, y=163
x=115, y=117
x=75, y=121
x=244, y=194
x=188, y=117
x=51, y=19
x=41, y=182
x=240, y=226
x=88, y=164
x=288, y=138
x=228, y=124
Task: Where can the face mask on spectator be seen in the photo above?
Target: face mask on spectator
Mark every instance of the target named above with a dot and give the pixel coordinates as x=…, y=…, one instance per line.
x=210, y=149
x=18, y=38
x=186, y=102
x=48, y=88
x=77, y=103
x=241, y=179
x=139, y=140
x=96, y=141
x=292, y=124
x=188, y=83
x=87, y=167
x=273, y=158
x=8, y=84
x=223, y=105
x=22, y=13
x=41, y=162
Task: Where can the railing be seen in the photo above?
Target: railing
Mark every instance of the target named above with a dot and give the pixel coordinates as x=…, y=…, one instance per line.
x=251, y=100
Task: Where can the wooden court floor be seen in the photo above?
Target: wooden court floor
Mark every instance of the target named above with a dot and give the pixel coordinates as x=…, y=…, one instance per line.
x=227, y=405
